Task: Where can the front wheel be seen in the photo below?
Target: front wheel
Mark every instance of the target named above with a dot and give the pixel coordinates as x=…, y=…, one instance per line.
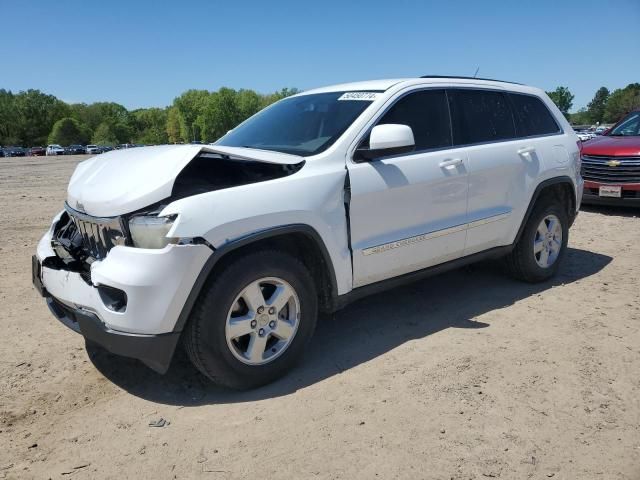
x=253, y=320
x=542, y=246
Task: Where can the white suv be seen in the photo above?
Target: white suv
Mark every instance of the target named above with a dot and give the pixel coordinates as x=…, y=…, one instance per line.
x=319, y=199
x=54, y=150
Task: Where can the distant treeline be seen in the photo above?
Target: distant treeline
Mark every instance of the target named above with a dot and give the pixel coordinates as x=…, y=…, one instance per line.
x=32, y=118
x=605, y=107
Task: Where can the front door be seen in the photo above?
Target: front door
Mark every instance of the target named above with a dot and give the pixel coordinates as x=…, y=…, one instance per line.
x=408, y=212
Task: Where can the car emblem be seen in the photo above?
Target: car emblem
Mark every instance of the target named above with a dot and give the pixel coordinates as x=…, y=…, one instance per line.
x=613, y=163
x=80, y=207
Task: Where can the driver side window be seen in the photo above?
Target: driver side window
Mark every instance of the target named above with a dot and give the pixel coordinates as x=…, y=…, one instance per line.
x=427, y=113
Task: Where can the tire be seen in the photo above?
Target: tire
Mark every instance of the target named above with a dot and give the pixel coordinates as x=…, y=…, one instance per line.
x=207, y=337
x=522, y=262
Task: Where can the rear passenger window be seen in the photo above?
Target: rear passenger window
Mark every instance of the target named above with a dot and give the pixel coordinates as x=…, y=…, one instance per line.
x=532, y=116
x=427, y=113
x=480, y=116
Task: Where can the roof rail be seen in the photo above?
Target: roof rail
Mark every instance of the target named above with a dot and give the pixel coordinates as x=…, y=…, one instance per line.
x=468, y=78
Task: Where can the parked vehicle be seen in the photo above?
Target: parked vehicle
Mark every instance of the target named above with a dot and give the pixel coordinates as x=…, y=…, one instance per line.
x=14, y=152
x=1, y=151
x=93, y=149
x=611, y=164
x=37, y=151
x=318, y=200
x=582, y=135
x=55, y=149
x=76, y=150
x=105, y=148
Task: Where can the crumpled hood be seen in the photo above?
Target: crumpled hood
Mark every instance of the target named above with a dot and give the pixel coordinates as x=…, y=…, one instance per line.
x=123, y=181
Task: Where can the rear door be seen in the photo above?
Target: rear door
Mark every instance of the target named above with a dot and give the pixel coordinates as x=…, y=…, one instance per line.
x=408, y=212
x=504, y=136
x=484, y=128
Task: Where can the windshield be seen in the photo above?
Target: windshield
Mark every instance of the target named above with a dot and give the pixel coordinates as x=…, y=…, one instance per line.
x=630, y=126
x=302, y=125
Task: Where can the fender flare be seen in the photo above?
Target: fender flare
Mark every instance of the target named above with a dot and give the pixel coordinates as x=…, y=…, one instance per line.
x=534, y=198
x=229, y=247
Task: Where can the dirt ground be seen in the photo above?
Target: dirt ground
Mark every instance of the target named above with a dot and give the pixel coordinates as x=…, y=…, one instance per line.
x=469, y=375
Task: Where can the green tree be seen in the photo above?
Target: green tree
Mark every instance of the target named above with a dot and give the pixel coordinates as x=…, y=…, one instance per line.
x=67, y=131
x=581, y=117
x=94, y=114
x=220, y=114
x=248, y=103
x=597, y=106
x=173, y=125
x=150, y=125
x=190, y=105
x=34, y=116
x=621, y=102
x=105, y=135
x=8, y=120
x=274, y=97
x=563, y=99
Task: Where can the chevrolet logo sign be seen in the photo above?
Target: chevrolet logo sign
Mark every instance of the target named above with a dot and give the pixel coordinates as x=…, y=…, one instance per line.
x=613, y=163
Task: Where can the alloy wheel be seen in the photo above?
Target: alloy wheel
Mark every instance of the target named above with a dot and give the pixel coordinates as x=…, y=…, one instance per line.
x=548, y=241
x=262, y=321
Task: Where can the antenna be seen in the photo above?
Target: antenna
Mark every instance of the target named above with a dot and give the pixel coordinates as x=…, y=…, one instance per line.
x=477, y=70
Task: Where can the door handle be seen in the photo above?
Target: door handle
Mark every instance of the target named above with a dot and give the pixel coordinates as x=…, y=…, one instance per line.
x=451, y=163
x=526, y=150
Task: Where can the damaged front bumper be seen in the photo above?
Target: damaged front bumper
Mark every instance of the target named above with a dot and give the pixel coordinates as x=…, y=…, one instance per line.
x=152, y=288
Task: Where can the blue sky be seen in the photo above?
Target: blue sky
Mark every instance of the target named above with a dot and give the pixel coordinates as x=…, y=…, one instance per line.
x=145, y=53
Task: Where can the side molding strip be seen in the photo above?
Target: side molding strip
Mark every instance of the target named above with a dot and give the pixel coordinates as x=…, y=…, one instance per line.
x=404, y=242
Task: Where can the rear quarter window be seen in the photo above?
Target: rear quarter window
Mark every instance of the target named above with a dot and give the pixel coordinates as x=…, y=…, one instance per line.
x=532, y=116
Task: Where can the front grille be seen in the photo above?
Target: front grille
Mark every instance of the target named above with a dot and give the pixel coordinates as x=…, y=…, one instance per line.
x=607, y=169
x=97, y=235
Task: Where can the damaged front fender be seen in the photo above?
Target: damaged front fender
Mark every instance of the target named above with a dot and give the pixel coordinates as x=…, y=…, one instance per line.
x=313, y=197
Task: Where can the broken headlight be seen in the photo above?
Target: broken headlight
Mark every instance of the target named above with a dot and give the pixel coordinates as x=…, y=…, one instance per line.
x=151, y=231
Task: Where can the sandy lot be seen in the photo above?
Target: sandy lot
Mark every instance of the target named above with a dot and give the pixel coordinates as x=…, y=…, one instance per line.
x=469, y=375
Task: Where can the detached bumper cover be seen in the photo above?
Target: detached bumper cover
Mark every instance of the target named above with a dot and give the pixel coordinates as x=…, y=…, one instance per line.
x=155, y=351
x=157, y=285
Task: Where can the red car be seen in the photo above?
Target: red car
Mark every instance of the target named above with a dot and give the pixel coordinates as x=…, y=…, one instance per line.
x=37, y=151
x=611, y=164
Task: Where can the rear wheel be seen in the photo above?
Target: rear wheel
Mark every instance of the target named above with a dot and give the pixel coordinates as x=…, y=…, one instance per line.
x=253, y=320
x=542, y=246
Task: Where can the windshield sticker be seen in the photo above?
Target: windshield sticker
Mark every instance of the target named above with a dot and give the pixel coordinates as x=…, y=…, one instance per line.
x=366, y=96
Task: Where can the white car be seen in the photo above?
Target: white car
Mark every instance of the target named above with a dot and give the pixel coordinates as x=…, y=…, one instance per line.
x=92, y=150
x=583, y=136
x=318, y=200
x=54, y=150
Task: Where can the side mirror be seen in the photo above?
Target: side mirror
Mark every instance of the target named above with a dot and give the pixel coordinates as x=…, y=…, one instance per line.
x=389, y=139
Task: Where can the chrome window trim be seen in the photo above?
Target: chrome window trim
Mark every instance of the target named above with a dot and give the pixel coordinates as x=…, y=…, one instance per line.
x=452, y=147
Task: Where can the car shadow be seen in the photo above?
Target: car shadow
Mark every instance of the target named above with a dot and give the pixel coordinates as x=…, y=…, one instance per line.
x=364, y=330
